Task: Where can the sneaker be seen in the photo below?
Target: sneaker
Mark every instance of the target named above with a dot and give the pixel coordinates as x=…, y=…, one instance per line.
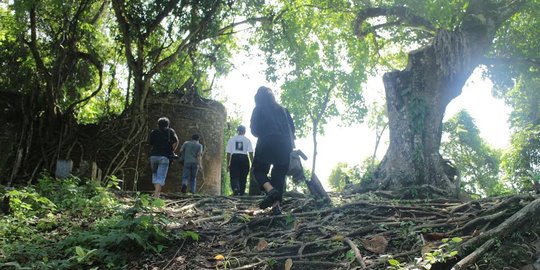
x=276, y=210
x=184, y=188
x=272, y=196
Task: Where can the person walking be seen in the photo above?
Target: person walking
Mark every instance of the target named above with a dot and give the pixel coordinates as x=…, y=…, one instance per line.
x=239, y=154
x=191, y=153
x=164, y=142
x=272, y=124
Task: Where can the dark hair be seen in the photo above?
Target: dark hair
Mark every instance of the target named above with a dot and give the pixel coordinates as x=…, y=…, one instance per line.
x=241, y=129
x=195, y=137
x=265, y=97
x=163, y=122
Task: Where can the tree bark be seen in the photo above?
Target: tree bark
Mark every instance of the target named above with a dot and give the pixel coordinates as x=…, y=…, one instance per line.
x=417, y=98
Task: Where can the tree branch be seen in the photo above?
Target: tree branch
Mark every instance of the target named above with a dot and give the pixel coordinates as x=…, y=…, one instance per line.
x=118, y=6
x=508, y=9
x=32, y=44
x=99, y=66
x=405, y=17
x=186, y=42
x=502, y=60
x=162, y=15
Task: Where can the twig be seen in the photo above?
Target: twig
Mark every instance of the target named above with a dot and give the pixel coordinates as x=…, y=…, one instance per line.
x=214, y=218
x=175, y=254
x=314, y=264
x=249, y=266
x=356, y=251
x=194, y=205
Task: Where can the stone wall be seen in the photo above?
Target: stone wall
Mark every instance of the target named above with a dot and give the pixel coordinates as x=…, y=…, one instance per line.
x=206, y=118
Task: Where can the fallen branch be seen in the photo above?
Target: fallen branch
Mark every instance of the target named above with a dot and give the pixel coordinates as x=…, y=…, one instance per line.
x=174, y=256
x=356, y=251
x=196, y=204
x=471, y=258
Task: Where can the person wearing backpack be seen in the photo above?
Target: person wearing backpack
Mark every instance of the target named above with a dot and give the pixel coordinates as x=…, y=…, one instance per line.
x=164, y=142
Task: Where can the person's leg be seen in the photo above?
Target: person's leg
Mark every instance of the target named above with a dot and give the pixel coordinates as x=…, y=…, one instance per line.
x=154, y=163
x=234, y=173
x=260, y=172
x=185, y=177
x=193, y=178
x=157, y=190
x=243, y=173
x=161, y=174
x=277, y=177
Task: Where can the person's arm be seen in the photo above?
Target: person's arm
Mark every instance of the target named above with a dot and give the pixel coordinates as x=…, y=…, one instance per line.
x=174, y=140
x=199, y=157
x=151, y=138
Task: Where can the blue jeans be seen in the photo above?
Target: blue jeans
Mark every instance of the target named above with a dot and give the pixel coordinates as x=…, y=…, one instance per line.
x=160, y=166
x=190, y=174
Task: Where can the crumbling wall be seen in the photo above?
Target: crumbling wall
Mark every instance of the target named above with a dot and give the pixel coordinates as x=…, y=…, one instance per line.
x=204, y=117
x=9, y=133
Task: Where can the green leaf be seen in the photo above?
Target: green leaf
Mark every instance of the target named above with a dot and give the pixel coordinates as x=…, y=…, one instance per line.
x=457, y=239
x=159, y=203
x=394, y=262
x=80, y=251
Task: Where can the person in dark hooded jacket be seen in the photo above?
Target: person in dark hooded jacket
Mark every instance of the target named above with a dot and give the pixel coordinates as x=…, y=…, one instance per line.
x=273, y=126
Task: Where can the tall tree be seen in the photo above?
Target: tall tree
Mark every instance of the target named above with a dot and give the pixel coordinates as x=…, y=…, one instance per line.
x=324, y=65
x=62, y=49
x=521, y=162
x=457, y=36
x=516, y=75
x=172, y=43
x=476, y=161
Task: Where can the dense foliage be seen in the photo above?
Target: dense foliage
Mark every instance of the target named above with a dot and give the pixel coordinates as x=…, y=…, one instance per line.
x=478, y=163
x=75, y=223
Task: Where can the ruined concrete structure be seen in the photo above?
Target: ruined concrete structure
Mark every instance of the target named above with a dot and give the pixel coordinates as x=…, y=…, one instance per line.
x=204, y=117
x=187, y=115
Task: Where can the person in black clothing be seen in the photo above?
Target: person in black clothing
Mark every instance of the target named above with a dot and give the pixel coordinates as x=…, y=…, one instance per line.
x=273, y=126
x=163, y=141
x=239, y=154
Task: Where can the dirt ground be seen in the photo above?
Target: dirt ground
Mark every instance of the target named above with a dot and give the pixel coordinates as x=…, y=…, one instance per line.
x=351, y=232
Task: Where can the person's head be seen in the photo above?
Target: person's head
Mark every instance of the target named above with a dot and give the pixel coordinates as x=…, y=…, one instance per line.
x=265, y=97
x=163, y=122
x=195, y=137
x=241, y=129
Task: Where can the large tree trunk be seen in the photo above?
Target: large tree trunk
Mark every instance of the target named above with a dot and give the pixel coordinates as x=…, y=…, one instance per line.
x=417, y=98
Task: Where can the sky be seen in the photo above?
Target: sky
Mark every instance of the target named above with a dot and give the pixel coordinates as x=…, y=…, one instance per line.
x=356, y=143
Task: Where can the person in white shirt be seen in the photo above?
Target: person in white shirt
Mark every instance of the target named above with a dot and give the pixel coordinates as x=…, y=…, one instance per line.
x=239, y=154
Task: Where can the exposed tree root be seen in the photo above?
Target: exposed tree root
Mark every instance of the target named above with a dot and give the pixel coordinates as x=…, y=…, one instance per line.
x=355, y=232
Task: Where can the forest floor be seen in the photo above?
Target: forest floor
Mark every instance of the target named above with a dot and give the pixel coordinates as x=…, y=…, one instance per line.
x=351, y=232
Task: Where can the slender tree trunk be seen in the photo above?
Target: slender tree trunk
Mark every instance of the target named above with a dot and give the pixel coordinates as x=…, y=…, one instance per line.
x=377, y=142
x=314, y=135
